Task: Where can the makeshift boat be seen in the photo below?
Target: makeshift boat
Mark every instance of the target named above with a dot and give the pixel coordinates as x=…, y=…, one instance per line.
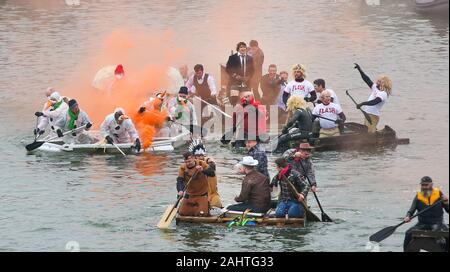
x=257, y=219
x=158, y=145
x=432, y=5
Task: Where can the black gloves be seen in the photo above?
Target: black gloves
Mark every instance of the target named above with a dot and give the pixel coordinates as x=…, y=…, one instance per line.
x=109, y=140
x=358, y=106
x=59, y=132
x=141, y=109
x=137, y=145
x=39, y=114
x=338, y=121
x=88, y=125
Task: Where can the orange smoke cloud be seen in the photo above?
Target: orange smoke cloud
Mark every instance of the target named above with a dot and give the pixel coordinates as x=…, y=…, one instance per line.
x=145, y=58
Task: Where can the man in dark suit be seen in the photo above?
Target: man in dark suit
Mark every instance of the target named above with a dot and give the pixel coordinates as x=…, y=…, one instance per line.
x=240, y=70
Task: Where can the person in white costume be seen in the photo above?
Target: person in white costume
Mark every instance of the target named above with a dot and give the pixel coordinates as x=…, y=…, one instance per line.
x=75, y=118
x=56, y=109
x=330, y=111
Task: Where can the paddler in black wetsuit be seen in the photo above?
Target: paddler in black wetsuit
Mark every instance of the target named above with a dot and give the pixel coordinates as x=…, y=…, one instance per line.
x=432, y=219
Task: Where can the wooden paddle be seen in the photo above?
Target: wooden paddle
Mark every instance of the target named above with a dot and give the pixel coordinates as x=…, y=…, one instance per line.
x=386, y=232
x=273, y=147
x=36, y=144
x=325, y=217
x=310, y=216
x=226, y=138
x=366, y=115
x=172, y=210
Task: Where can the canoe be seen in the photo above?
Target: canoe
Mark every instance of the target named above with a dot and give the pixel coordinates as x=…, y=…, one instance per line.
x=354, y=137
x=257, y=218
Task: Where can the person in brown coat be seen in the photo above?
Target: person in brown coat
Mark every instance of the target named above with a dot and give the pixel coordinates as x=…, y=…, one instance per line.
x=258, y=60
x=195, y=196
x=199, y=151
x=255, y=192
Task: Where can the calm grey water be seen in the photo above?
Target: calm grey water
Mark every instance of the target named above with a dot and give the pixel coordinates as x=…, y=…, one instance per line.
x=107, y=203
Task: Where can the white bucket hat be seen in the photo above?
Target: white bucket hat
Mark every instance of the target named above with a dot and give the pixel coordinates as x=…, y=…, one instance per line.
x=249, y=161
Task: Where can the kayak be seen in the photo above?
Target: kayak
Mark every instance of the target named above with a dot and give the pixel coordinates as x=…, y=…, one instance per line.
x=432, y=5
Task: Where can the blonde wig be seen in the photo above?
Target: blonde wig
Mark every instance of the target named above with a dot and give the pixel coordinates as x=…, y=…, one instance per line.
x=385, y=84
x=301, y=68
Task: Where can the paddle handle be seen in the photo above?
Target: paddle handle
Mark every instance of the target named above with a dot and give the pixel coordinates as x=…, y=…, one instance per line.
x=188, y=127
x=324, y=118
x=292, y=187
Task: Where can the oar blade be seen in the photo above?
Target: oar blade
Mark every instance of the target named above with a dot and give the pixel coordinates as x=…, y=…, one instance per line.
x=326, y=218
x=382, y=234
x=34, y=145
x=167, y=217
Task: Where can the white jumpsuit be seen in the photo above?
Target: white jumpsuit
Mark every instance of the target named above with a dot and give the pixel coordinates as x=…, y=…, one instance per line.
x=79, y=137
x=52, y=117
